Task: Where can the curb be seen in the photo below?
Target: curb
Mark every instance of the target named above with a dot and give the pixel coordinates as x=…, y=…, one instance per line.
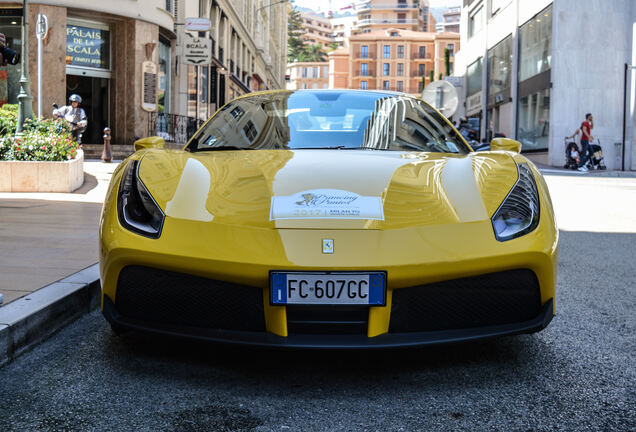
x=32, y=319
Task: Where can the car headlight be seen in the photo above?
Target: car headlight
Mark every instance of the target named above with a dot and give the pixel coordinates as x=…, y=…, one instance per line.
x=518, y=214
x=137, y=210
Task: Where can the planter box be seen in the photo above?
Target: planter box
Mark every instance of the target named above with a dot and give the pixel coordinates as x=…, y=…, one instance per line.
x=28, y=176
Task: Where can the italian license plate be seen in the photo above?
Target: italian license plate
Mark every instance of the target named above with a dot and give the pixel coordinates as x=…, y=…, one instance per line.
x=328, y=288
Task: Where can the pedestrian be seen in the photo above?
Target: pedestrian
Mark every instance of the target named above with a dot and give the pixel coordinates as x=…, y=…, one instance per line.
x=586, y=139
x=74, y=115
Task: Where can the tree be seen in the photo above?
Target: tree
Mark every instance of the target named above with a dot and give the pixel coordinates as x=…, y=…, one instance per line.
x=333, y=46
x=441, y=77
x=313, y=53
x=296, y=46
x=423, y=82
x=431, y=75
x=447, y=61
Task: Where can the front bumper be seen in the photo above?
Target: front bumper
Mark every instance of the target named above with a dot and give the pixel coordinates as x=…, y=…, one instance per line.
x=308, y=341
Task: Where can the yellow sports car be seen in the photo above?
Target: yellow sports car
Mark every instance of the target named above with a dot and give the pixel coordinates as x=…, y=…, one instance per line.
x=328, y=219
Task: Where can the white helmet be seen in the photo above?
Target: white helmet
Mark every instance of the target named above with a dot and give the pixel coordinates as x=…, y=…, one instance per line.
x=75, y=98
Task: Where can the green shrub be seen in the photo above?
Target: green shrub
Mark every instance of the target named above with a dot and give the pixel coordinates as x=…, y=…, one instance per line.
x=8, y=119
x=42, y=140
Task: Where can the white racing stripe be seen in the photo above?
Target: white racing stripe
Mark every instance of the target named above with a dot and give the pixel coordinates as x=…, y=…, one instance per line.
x=191, y=195
x=461, y=189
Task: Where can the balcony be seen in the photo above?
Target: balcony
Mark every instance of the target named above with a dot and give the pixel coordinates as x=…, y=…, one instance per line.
x=364, y=73
x=393, y=21
x=386, y=6
x=418, y=56
x=361, y=55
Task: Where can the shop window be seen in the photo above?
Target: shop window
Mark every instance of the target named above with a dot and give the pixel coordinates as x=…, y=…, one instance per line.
x=474, y=75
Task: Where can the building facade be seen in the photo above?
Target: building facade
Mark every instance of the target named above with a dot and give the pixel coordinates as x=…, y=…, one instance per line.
x=341, y=29
x=249, y=53
x=317, y=30
x=451, y=20
x=124, y=58
x=534, y=69
x=308, y=75
x=413, y=15
x=392, y=59
x=95, y=49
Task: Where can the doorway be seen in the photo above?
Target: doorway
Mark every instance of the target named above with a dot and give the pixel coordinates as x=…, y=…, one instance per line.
x=94, y=92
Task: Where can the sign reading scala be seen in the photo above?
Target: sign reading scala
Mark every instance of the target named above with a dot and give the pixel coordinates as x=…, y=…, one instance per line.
x=87, y=47
x=197, y=50
x=326, y=204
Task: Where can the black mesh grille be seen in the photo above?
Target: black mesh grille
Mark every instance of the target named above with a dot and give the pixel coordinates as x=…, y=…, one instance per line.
x=325, y=319
x=167, y=297
x=492, y=299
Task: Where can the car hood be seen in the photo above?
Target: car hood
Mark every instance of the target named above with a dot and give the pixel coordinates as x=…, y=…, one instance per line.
x=330, y=189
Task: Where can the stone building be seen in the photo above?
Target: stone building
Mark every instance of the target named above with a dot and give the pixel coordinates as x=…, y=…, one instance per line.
x=534, y=69
x=450, y=21
x=308, y=75
x=124, y=58
x=95, y=49
x=391, y=59
x=374, y=15
x=316, y=30
x=249, y=53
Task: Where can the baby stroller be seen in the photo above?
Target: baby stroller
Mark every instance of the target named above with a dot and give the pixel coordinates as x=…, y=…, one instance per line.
x=572, y=155
x=596, y=158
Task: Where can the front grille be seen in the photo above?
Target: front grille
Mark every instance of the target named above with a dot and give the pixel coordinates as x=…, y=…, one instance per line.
x=324, y=319
x=166, y=297
x=493, y=299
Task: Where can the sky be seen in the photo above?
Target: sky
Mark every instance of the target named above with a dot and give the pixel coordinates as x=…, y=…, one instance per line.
x=323, y=5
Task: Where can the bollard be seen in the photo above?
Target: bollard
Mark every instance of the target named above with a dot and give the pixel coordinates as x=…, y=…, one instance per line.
x=106, y=153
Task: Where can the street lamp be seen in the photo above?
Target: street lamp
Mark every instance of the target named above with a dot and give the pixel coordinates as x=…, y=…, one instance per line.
x=25, y=105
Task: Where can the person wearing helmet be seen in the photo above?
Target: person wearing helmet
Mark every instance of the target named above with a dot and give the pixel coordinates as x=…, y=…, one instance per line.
x=75, y=115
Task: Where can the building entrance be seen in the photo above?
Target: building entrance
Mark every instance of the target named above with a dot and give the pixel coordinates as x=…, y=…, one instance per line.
x=95, y=101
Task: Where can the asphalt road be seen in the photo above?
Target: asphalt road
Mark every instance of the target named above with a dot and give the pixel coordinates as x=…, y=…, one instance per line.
x=579, y=374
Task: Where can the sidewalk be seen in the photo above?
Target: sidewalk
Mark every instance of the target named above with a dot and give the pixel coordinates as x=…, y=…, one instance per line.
x=45, y=237
x=48, y=255
x=550, y=170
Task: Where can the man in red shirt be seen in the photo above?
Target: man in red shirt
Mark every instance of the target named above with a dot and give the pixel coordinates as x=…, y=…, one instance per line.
x=586, y=139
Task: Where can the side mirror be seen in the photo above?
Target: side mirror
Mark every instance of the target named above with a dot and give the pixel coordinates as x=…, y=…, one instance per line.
x=150, y=142
x=505, y=144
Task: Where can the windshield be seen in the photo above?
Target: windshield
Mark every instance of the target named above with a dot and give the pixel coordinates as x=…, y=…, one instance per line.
x=328, y=119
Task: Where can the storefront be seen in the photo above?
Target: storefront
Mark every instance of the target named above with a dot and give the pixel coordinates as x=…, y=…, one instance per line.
x=88, y=72
x=500, y=107
x=474, y=95
x=535, y=57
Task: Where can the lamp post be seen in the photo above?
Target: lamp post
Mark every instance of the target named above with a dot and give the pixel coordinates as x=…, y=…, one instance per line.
x=25, y=105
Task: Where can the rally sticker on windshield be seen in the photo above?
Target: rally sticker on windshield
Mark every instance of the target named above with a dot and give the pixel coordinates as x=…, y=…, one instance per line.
x=326, y=204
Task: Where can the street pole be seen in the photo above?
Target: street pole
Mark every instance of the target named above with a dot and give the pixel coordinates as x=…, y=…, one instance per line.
x=627, y=69
x=41, y=27
x=25, y=104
